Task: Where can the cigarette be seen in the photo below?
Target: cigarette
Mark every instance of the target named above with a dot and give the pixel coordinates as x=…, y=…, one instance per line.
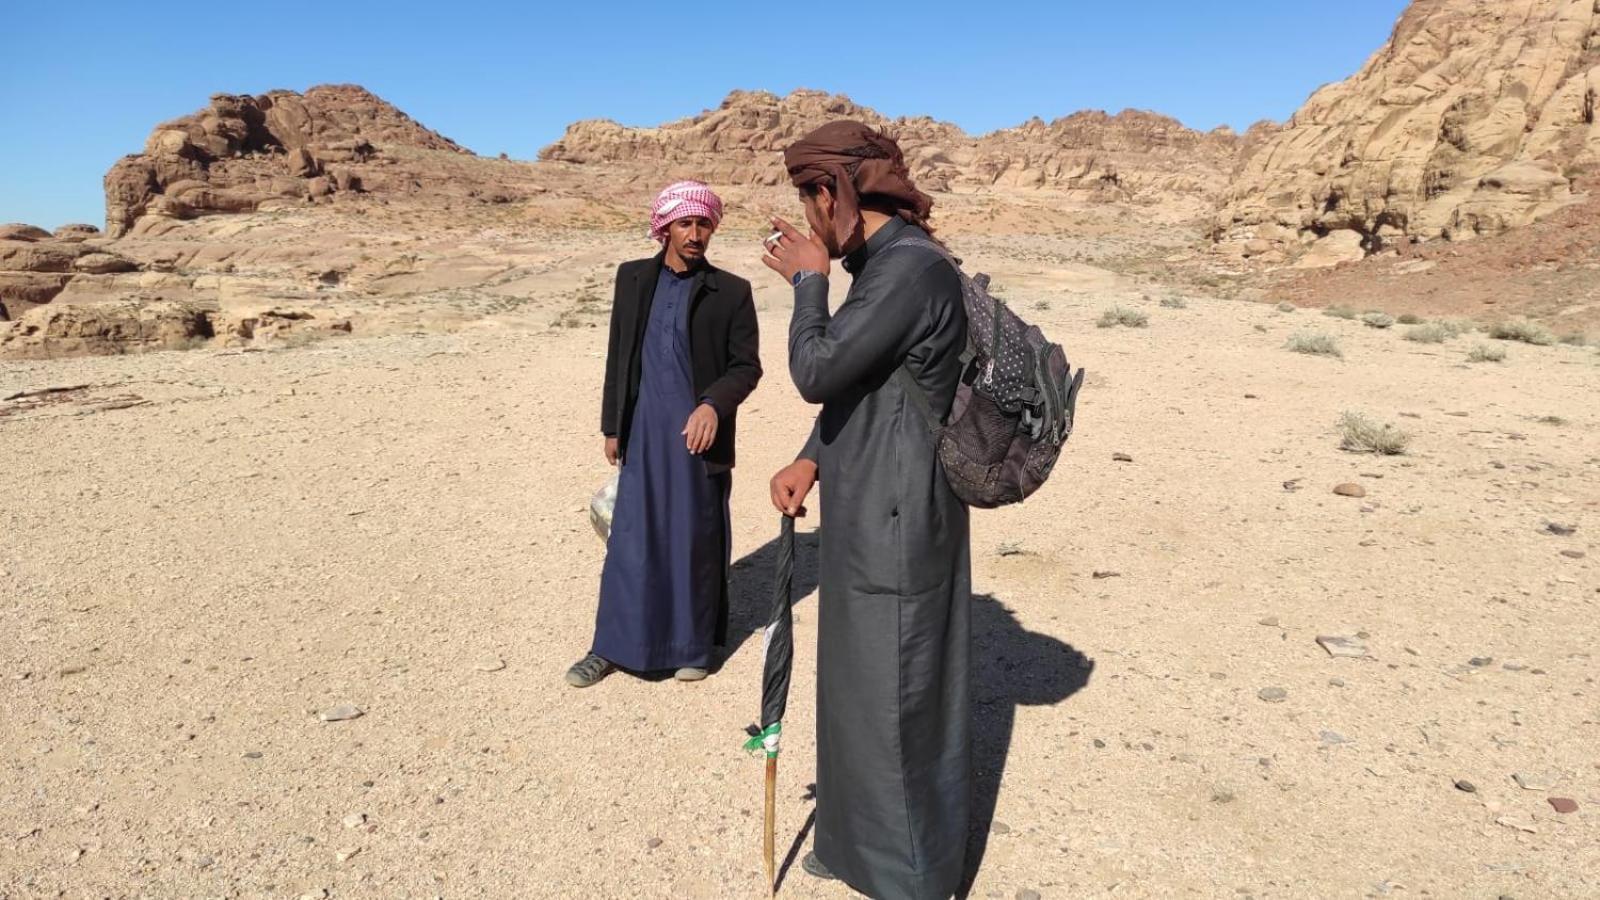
x=773, y=238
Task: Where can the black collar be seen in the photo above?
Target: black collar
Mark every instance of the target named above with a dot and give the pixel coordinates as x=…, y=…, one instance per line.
x=856, y=260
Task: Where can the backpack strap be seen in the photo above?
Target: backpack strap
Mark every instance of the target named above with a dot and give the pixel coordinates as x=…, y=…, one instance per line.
x=902, y=375
x=918, y=397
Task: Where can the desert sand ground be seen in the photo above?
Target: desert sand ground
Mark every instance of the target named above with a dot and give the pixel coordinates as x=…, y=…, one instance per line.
x=399, y=522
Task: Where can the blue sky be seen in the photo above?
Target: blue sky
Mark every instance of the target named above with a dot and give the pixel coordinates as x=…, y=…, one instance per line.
x=83, y=84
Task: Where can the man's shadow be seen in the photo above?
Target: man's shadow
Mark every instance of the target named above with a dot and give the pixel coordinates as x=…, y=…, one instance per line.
x=1011, y=667
x=750, y=599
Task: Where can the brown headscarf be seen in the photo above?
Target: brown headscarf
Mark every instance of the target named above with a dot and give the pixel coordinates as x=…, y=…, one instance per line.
x=860, y=161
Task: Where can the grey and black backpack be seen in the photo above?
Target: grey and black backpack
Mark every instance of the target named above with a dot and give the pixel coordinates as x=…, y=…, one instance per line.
x=1014, y=404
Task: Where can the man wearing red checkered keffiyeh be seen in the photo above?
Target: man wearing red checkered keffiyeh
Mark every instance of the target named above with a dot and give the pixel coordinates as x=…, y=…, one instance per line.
x=681, y=358
x=684, y=200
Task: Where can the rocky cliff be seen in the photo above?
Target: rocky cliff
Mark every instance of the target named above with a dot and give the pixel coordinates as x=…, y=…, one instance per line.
x=1477, y=116
x=242, y=151
x=1130, y=156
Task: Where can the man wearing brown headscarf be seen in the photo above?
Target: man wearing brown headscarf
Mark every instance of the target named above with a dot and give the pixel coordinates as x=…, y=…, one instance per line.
x=893, y=740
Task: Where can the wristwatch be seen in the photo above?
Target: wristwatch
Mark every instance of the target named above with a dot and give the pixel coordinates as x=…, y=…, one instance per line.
x=802, y=275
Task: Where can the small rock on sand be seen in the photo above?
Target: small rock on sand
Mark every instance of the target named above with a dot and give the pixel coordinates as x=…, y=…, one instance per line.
x=490, y=664
x=1518, y=824
x=1121, y=457
x=1270, y=621
x=1273, y=694
x=355, y=820
x=344, y=712
x=1343, y=645
x=1563, y=805
x=1350, y=489
x=1535, y=781
x=1466, y=786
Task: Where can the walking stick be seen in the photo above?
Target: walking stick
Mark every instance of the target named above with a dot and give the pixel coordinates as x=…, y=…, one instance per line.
x=771, y=825
x=777, y=644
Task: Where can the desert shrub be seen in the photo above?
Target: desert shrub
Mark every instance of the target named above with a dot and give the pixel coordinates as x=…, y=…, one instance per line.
x=1487, y=353
x=1522, y=330
x=1409, y=319
x=1339, y=312
x=1174, y=303
x=1314, y=343
x=1431, y=333
x=1287, y=307
x=1377, y=320
x=1552, y=420
x=1457, y=327
x=1359, y=434
x=1575, y=339
x=1122, y=315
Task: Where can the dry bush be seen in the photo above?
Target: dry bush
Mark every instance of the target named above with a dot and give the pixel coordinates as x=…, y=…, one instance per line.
x=1359, y=434
x=1409, y=319
x=1339, y=312
x=1122, y=315
x=1431, y=333
x=1314, y=344
x=1575, y=339
x=1457, y=327
x=1487, y=353
x=1522, y=330
x=1287, y=307
x=1377, y=320
x=1174, y=303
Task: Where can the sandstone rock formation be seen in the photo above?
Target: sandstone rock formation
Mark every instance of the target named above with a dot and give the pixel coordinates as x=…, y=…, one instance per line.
x=35, y=266
x=1474, y=118
x=242, y=152
x=1130, y=156
x=72, y=329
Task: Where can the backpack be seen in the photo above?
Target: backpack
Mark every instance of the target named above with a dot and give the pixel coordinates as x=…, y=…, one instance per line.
x=1014, y=404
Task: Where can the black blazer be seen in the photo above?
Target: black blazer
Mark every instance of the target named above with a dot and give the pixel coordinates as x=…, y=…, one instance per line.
x=724, y=348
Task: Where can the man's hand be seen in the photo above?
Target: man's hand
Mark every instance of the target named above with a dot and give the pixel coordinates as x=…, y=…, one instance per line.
x=701, y=429
x=793, y=252
x=791, y=485
x=611, y=451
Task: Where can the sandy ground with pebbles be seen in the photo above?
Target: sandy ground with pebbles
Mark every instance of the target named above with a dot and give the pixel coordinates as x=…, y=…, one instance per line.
x=203, y=551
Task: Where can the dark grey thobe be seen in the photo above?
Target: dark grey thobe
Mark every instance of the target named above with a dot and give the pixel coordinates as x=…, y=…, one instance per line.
x=893, y=725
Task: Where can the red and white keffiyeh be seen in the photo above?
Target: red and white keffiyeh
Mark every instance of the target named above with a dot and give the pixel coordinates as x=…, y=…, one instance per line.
x=681, y=200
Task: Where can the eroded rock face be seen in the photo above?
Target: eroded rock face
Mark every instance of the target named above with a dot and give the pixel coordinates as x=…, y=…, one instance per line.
x=1132, y=155
x=73, y=329
x=1474, y=118
x=36, y=266
x=243, y=151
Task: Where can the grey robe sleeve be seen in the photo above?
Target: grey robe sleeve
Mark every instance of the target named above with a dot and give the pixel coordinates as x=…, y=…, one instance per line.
x=813, y=443
x=829, y=355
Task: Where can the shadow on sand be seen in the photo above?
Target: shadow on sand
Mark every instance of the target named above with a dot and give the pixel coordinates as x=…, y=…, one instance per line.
x=750, y=588
x=1012, y=667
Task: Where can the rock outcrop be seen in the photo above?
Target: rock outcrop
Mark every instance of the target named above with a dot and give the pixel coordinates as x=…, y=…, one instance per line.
x=242, y=152
x=1130, y=156
x=36, y=266
x=101, y=329
x=1474, y=118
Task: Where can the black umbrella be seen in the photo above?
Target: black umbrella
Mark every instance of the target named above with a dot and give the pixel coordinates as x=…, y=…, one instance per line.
x=777, y=648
